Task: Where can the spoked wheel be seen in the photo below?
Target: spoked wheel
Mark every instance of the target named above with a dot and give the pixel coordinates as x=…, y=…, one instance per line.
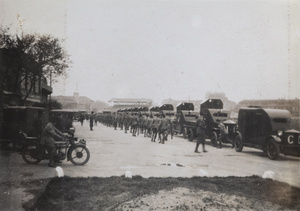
x=214, y=139
x=185, y=133
x=238, y=143
x=272, y=150
x=191, y=135
x=79, y=155
x=30, y=155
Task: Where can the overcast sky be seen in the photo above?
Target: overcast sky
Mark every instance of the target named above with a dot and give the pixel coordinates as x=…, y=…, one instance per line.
x=180, y=49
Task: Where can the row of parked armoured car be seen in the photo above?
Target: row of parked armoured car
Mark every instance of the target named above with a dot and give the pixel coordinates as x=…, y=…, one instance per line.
x=266, y=129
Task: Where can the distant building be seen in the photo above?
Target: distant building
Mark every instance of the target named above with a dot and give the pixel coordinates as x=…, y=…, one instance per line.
x=293, y=106
x=119, y=103
x=220, y=95
x=74, y=102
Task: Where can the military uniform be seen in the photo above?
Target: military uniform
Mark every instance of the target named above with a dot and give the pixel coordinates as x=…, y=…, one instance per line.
x=163, y=129
x=49, y=135
x=155, y=127
x=200, y=131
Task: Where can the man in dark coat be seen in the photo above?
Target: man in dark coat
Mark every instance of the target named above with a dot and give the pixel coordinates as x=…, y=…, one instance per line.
x=92, y=117
x=200, y=131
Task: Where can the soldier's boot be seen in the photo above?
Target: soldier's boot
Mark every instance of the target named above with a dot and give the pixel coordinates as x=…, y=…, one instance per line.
x=196, y=149
x=203, y=148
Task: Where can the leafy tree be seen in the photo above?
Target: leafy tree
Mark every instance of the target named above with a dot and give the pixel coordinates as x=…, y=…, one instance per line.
x=30, y=57
x=54, y=104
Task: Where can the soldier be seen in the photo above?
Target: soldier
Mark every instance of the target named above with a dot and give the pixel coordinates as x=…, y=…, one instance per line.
x=115, y=121
x=163, y=128
x=49, y=136
x=81, y=119
x=155, y=127
x=149, y=126
x=126, y=122
x=200, y=131
x=92, y=121
x=134, y=124
x=223, y=134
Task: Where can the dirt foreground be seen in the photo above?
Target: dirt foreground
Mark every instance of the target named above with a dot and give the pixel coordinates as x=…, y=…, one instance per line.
x=137, y=193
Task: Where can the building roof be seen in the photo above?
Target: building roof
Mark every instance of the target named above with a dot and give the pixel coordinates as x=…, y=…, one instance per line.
x=130, y=100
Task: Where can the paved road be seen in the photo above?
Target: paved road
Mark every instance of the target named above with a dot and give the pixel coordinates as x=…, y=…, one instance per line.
x=114, y=153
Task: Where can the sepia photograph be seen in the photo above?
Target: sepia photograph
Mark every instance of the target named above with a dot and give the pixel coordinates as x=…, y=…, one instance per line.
x=133, y=105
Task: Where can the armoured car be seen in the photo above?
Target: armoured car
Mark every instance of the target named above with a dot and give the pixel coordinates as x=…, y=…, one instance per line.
x=184, y=121
x=211, y=110
x=268, y=130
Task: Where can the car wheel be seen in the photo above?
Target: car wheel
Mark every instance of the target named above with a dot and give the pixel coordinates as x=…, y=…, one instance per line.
x=238, y=143
x=272, y=150
x=191, y=134
x=185, y=135
x=214, y=139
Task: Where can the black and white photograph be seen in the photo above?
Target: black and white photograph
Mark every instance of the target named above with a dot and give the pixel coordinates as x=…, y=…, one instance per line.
x=133, y=105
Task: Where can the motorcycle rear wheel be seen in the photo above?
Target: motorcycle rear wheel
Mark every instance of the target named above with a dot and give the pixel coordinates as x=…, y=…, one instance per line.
x=30, y=155
x=79, y=155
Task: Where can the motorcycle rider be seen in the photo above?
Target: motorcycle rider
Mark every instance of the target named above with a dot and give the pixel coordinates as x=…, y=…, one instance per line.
x=49, y=135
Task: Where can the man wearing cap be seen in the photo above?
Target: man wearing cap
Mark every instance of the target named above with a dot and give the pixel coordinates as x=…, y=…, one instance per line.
x=223, y=134
x=49, y=135
x=200, y=132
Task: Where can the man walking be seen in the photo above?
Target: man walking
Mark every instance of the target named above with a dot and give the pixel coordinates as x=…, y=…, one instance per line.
x=200, y=131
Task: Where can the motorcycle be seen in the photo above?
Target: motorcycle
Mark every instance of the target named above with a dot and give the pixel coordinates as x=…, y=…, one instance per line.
x=72, y=149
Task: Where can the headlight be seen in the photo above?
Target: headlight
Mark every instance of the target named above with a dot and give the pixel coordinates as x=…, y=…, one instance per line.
x=279, y=133
x=291, y=139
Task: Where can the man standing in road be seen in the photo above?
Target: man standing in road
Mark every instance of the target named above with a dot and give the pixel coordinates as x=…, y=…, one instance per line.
x=200, y=131
x=92, y=121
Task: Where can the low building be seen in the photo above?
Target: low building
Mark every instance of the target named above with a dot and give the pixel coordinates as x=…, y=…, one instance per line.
x=75, y=102
x=119, y=103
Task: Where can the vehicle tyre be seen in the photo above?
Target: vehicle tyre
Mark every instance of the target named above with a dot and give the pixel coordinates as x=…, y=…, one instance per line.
x=191, y=134
x=214, y=139
x=79, y=155
x=272, y=150
x=185, y=133
x=238, y=143
x=30, y=154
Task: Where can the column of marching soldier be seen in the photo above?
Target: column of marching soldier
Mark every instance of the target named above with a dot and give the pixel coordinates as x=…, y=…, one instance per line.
x=149, y=125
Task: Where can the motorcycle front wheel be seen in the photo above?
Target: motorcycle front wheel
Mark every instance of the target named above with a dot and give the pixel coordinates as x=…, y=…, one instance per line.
x=79, y=155
x=30, y=155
